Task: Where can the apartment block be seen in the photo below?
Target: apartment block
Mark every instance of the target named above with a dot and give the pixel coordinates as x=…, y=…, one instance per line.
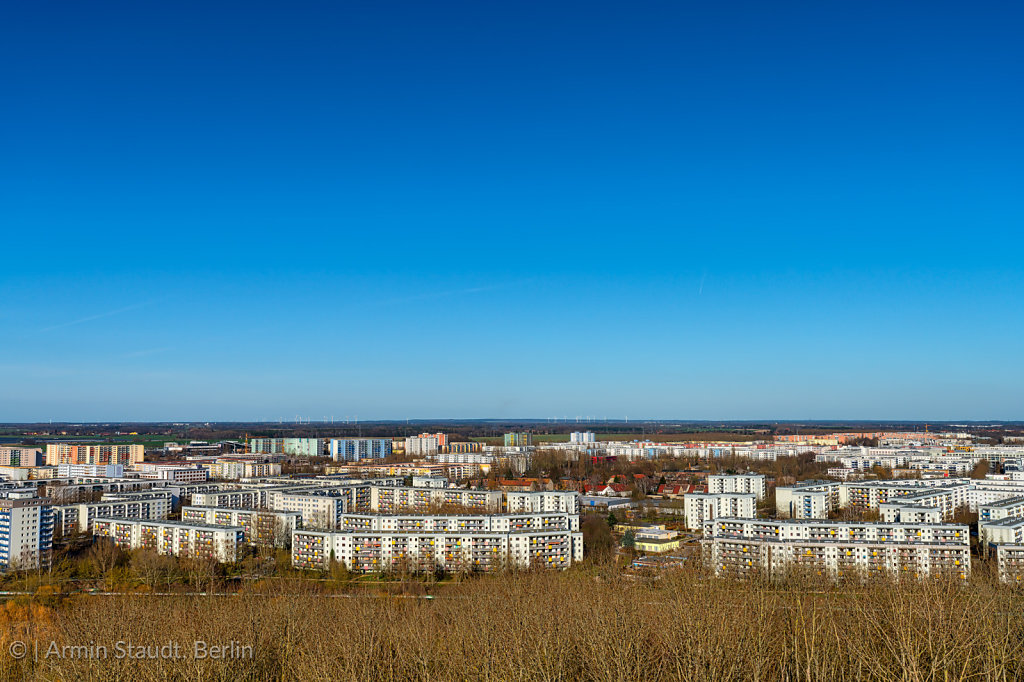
x=518, y=439
x=355, y=449
x=423, y=445
x=176, y=538
x=543, y=501
x=232, y=468
x=477, y=457
x=244, y=498
x=322, y=508
x=870, y=495
x=701, y=507
x=748, y=547
x=90, y=470
x=403, y=498
x=264, y=528
x=1008, y=530
x=80, y=517
x=443, y=523
x=738, y=483
x=80, y=492
x=398, y=470
x=26, y=533
x=70, y=453
x=20, y=456
x=1011, y=507
x=178, y=472
x=451, y=551
x=905, y=512
x=429, y=482
x=464, y=447
x=304, y=447
x=815, y=499
x=12, y=473
x=807, y=500
x=1010, y=562
x=267, y=446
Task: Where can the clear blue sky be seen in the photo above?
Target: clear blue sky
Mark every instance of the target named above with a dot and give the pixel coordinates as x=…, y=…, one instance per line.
x=427, y=209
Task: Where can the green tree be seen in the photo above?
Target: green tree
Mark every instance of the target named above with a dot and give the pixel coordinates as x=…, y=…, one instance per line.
x=612, y=521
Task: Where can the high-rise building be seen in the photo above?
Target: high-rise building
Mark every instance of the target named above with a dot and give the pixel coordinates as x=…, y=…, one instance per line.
x=518, y=439
x=422, y=445
x=303, y=447
x=20, y=456
x=269, y=446
x=69, y=453
x=738, y=483
x=701, y=507
x=582, y=437
x=354, y=449
x=26, y=533
x=461, y=447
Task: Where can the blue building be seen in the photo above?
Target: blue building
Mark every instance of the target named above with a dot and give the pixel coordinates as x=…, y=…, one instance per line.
x=354, y=449
x=26, y=533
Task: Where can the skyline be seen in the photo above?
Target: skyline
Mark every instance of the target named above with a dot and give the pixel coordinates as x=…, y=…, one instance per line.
x=685, y=212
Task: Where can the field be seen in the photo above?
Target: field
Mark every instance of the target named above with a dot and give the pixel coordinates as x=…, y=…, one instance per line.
x=581, y=625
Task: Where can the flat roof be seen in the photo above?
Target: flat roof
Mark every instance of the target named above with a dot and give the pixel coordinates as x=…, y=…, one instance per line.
x=1009, y=522
x=168, y=523
x=1009, y=501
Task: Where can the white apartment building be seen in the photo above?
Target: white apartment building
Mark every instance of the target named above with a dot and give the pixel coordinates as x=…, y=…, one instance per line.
x=174, y=472
x=304, y=447
x=739, y=483
x=421, y=446
x=543, y=501
x=429, y=482
x=90, y=470
x=477, y=458
x=807, y=500
x=943, y=533
x=230, y=468
x=321, y=508
x=747, y=547
x=243, y=498
x=259, y=527
x=80, y=517
x=1010, y=507
x=701, y=507
x=451, y=551
x=815, y=499
x=1010, y=562
x=947, y=495
x=269, y=446
x=399, y=498
x=1005, y=531
x=905, y=512
x=441, y=523
x=582, y=437
x=176, y=538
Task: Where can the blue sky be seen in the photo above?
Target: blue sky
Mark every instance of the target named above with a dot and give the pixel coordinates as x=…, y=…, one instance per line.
x=654, y=209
